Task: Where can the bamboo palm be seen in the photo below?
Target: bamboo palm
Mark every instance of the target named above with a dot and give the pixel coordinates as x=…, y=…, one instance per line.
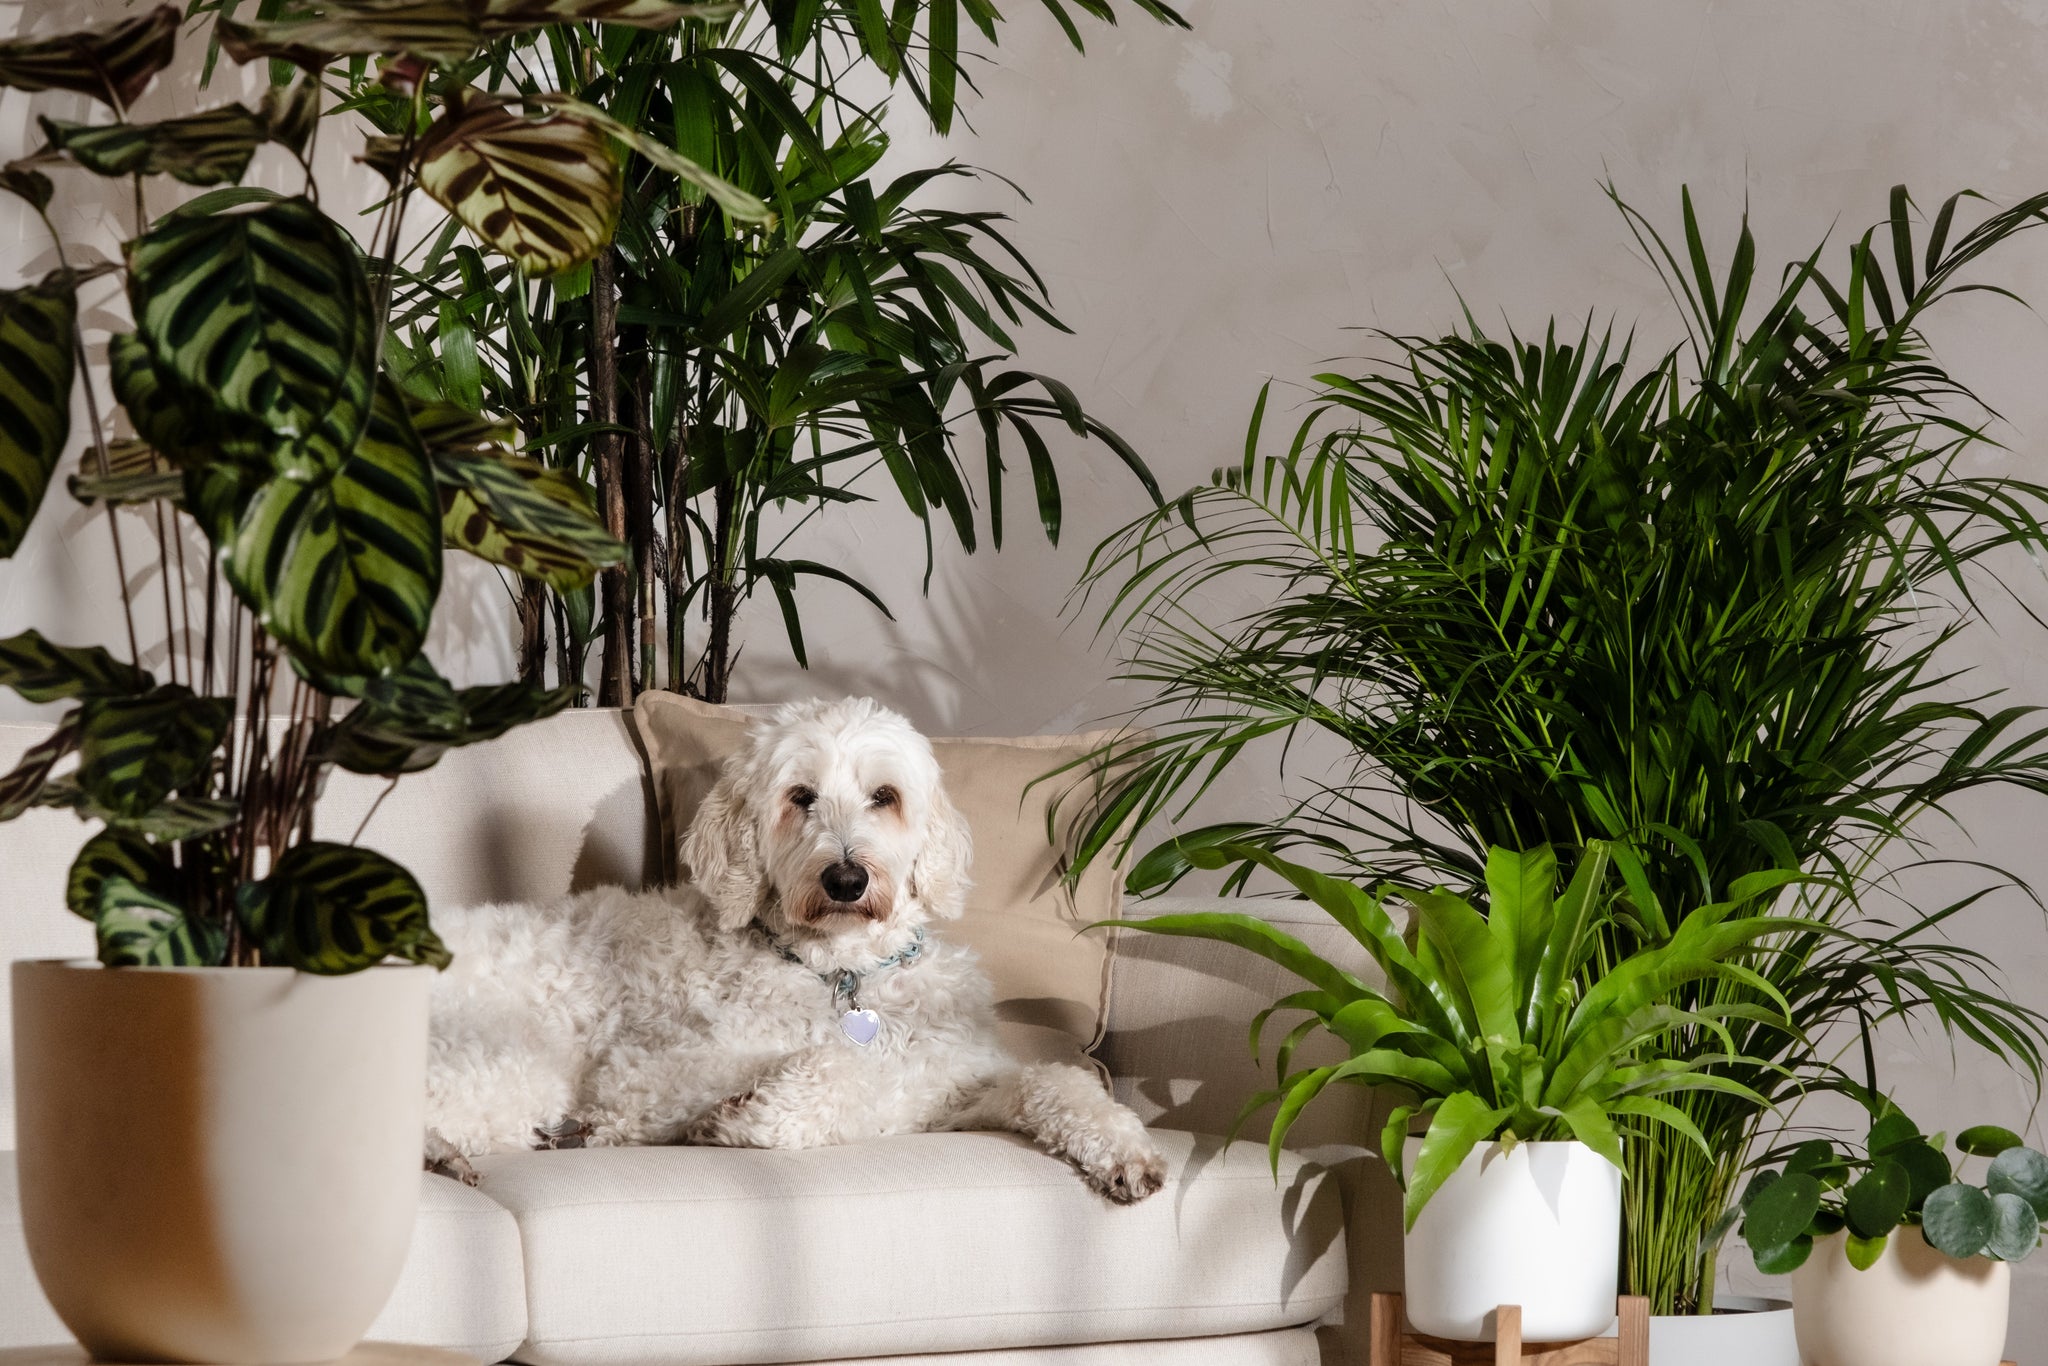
x=1550, y=592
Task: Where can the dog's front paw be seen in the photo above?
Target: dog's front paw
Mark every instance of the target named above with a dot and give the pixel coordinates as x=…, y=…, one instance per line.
x=1127, y=1172
x=563, y=1133
x=722, y=1126
x=455, y=1167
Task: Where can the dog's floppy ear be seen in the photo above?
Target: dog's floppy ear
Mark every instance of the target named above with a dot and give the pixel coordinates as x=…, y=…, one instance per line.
x=938, y=875
x=720, y=856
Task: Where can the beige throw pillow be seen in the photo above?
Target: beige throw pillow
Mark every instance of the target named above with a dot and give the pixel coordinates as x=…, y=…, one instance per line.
x=1051, y=980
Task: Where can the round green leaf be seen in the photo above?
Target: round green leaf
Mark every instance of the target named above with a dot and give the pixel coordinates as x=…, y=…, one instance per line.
x=1957, y=1220
x=1987, y=1140
x=1891, y=1129
x=2015, y=1228
x=1783, y=1259
x=1864, y=1252
x=1782, y=1211
x=2022, y=1172
x=1927, y=1168
x=1877, y=1201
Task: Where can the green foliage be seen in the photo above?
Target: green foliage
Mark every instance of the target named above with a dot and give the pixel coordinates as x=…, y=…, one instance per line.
x=760, y=372
x=1551, y=590
x=542, y=191
x=1901, y=1178
x=37, y=356
x=210, y=148
x=1490, y=1024
x=265, y=417
x=330, y=908
x=114, y=63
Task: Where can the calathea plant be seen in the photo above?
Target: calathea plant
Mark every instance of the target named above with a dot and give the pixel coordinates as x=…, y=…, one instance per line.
x=1491, y=1022
x=1902, y=1178
x=321, y=496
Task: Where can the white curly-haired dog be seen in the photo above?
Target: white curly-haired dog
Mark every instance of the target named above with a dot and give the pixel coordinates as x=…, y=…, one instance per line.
x=792, y=995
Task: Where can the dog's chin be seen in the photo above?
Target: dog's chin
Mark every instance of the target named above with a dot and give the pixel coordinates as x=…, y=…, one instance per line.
x=826, y=917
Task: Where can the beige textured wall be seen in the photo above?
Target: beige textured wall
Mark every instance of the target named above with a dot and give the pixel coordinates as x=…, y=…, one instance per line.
x=1218, y=207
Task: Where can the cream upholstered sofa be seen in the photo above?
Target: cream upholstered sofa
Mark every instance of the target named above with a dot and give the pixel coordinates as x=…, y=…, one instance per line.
x=918, y=1248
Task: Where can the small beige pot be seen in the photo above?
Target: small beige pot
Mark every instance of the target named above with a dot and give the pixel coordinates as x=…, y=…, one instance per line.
x=218, y=1164
x=1914, y=1307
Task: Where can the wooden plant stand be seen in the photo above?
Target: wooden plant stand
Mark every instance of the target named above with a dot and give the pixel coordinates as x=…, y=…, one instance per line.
x=1394, y=1345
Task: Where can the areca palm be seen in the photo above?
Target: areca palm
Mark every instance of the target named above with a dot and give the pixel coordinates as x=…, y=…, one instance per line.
x=1553, y=592
x=749, y=379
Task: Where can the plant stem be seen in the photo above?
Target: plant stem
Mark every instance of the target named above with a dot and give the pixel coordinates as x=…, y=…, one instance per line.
x=615, y=593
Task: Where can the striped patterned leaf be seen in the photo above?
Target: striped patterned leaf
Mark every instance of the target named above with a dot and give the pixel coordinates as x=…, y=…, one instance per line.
x=341, y=562
x=136, y=473
x=510, y=509
x=498, y=17
x=43, y=672
x=335, y=908
x=545, y=192
x=170, y=418
x=181, y=818
x=114, y=63
x=20, y=789
x=265, y=313
x=140, y=928
x=428, y=29
x=210, y=148
x=36, y=340
x=409, y=720
x=116, y=853
x=290, y=113
x=134, y=751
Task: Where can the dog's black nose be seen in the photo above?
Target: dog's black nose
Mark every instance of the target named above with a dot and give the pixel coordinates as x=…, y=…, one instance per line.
x=844, y=881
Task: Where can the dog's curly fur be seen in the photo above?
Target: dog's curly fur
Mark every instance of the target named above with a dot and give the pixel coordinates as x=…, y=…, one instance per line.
x=677, y=1016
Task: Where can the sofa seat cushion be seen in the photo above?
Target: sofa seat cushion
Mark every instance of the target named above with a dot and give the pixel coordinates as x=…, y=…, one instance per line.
x=921, y=1243
x=461, y=1287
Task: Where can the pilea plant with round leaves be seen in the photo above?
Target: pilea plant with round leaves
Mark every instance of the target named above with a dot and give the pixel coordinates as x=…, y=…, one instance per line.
x=1902, y=1178
x=296, y=501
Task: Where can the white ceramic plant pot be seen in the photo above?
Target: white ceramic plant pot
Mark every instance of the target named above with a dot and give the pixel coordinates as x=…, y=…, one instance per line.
x=1915, y=1306
x=1740, y=1332
x=218, y=1164
x=1538, y=1225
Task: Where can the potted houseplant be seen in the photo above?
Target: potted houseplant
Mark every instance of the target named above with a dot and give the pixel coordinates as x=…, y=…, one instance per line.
x=1544, y=589
x=219, y=1121
x=1523, y=1076
x=1894, y=1261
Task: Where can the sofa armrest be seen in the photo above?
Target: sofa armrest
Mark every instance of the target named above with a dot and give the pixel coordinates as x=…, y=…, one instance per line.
x=1180, y=1008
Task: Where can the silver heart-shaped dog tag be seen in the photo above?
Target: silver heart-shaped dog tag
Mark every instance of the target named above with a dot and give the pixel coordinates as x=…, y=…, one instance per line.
x=861, y=1026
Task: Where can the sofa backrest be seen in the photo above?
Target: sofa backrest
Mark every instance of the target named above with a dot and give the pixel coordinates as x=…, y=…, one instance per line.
x=553, y=807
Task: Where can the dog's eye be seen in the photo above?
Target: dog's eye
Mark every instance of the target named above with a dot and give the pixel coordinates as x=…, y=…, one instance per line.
x=883, y=797
x=802, y=798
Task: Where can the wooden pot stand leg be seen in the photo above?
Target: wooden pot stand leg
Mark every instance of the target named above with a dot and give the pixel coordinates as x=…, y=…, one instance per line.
x=1393, y=1345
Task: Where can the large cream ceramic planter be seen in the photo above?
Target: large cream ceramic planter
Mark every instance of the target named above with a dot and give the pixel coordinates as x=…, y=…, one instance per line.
x=1537, y=1225
x=218, y=1164
x=1914, y=1307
